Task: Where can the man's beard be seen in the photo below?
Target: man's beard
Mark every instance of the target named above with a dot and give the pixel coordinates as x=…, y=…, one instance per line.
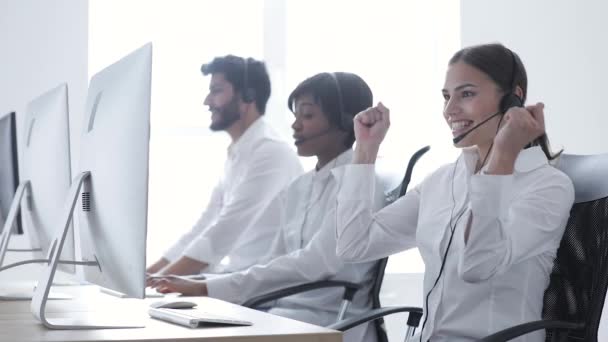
x=228, y=115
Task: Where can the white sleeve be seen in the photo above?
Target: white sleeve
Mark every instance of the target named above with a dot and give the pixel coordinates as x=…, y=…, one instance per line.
x=210, y=213
x=278, y=247
x=508, y=229
x=269, y=172
x=362, y=234
x=317, y=260
x=253, y=246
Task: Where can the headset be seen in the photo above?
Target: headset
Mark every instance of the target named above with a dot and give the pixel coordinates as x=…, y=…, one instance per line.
x=346, y=123
x=248, y=93
x=509, y=100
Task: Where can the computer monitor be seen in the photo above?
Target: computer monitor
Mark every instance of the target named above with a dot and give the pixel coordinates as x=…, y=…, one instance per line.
x=9, y=168
x=112, y=186
x=45, y=164
x=45, y=176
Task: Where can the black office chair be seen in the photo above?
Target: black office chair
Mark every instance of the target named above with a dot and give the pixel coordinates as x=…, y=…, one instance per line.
x=574, y=299
x=350, y=288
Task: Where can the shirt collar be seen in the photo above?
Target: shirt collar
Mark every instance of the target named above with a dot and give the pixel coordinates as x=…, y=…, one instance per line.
x=344, y=158
x=528, y=159
x=256, y=131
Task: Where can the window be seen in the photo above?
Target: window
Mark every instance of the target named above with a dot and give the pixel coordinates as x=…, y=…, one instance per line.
x=400, y=48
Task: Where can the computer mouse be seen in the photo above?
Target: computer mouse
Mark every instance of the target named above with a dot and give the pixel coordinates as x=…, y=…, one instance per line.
x=172, y=304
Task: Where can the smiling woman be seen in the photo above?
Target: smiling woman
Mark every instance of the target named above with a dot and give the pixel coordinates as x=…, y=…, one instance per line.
x=488, y=233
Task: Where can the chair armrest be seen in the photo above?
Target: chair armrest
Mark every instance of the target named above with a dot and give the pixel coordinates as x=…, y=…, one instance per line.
x=413, y=320
x=522, y=329
x=349, y=291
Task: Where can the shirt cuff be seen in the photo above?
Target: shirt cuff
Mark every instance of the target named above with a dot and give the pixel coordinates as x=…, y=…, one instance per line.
x=201, y=250
x=489, y=194
x=356, y=181
x=224, y=287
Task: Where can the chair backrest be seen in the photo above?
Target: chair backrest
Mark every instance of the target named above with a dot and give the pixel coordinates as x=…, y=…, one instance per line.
x=381, y=266
x=578, y=283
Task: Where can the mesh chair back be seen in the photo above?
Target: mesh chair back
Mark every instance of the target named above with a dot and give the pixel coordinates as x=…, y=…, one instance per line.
x=578, y=283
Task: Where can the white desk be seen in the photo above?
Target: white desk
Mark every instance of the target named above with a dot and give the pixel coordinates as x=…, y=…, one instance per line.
x=18, y=324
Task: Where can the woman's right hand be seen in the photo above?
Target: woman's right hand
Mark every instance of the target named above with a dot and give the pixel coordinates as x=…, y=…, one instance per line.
x=370, y=126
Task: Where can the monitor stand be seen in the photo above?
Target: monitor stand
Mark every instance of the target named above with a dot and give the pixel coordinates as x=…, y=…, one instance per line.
x=7, y=230
x=24, y=294
x=21, y=292
x=41, y=295
x=15, y=291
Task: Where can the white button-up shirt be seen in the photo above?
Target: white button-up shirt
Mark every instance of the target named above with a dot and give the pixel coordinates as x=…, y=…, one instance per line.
x=494, y=280
x=258, y=166
x=304, y=251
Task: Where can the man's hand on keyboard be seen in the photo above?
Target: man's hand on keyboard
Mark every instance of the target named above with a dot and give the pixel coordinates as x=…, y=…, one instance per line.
x=185, y=286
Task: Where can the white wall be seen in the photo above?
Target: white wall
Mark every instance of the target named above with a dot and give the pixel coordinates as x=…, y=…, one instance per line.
x=563, y=45
x=42, y=44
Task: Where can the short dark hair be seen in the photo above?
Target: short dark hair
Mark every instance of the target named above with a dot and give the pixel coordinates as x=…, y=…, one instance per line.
x=237, y=73
x=355, y=93
x=506, y=69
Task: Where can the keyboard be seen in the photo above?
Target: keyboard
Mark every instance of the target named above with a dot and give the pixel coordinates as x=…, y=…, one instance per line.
x=193, y=318
x=150, y=293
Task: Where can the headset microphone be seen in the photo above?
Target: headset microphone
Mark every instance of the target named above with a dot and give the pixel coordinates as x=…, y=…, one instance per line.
x=314, y=136
x=463, y=135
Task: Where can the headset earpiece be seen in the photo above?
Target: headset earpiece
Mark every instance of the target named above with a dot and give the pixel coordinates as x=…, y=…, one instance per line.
x=346, y=123
x=510, y=99
x=248, y=93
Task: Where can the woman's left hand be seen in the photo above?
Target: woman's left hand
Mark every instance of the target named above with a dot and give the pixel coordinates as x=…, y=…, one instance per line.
x=521, y=126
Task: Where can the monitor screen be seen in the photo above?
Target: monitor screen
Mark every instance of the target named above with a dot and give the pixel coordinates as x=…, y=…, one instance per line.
x=9, y=167
x=45, y=163
x=114, y=148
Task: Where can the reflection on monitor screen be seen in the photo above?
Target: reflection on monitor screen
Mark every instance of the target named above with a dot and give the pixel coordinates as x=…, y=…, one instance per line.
x=111, y=189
